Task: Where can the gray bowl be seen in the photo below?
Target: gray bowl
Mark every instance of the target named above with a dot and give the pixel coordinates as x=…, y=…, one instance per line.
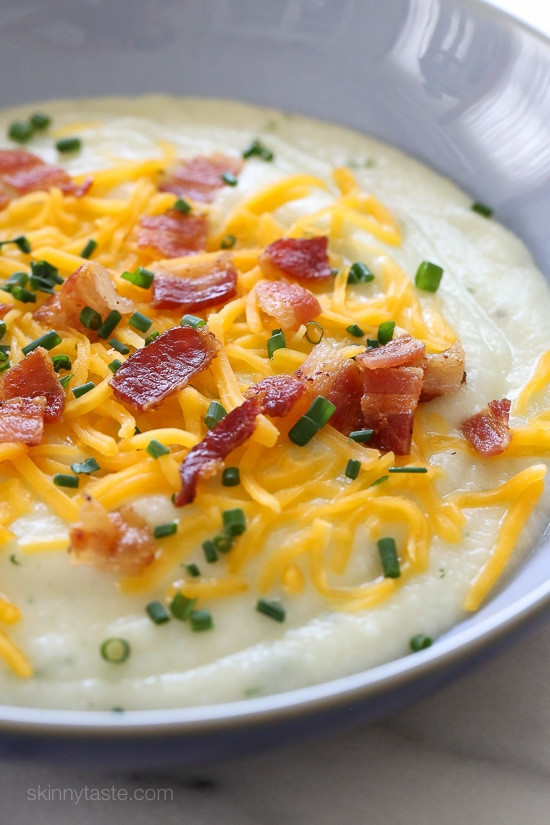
x=455, y=83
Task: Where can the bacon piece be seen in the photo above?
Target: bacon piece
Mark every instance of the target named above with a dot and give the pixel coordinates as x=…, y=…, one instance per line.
x=4, y=308
x=443, y=372
x=163, y=367
x=90, y=285
x=120, y=541
x=303, y=259
x=22, y=172
x=195, y=287
x=274, y=396
x=289, y=304
x=22, y=420
x=173, y=234
x=35, y=377
x=327, y=371
x=488, y=431
x=389, y=400
x=199, y=178
x=399, y=352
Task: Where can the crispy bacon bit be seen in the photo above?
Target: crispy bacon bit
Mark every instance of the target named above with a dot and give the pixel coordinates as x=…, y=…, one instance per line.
x=443, y=372
x=35, y=377
x=195, y=287
x=90, y=285
x=399, y=352
x=289, y=304
x=163, y=367
x=327, y=371
x=22, y=420
x=304, y=259
x=119, y=541
x=4, y=308
x=390, y=398
x=22, y=172
x=199, y=178
x=488, y=431
x=173, y=234
x=274, y=396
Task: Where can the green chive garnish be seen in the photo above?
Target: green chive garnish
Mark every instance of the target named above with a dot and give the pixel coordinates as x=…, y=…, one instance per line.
x=65, y=480
x=234, y=522
x=46, y=272
x=115, y=650
x=420, y=642
x=378, y=481
x=48, y=340
x=119, y=346
x=309, y=424
x=109, y=324
x=89, y=318
x=201, y=620
x=388, y=557
x=352, y=468
x=141, y=277
x=61, y=362
x=73, y=144
x=21, y=242
x=359, y=273
x=139, y=321
x=228, y=242
x=157, y=612
x=355, y=330
x=407, y=469
x=3, y=328
x=272, y=609
x=428, y=276
x=181, y=606
x=15, y=279
x=214, y=414
x=182, y=206
x=223, y=543
x=39, y=121
x=258, y=150
x=229, y=178
x=20, y=131
x=361, y=436
x=193, y=570
x=314, y=332
x=385, y=332
x=275, y=342
x=210, y=552
x=231, y=477
x=192, y=321
x=114, y=364
x=89, y=249
x=156, y=449
x=482, y=209
x=83, y=389
x=160, y=531
x=152, y=337
x=89, y=465
x=66, y=380
x=23, y=295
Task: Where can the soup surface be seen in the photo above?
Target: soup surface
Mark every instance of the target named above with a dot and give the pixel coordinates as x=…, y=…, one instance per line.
x=273, y=403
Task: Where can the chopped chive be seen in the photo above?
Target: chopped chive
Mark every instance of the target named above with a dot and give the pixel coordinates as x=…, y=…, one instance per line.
x=257, y=149
x=156, y=449
x=379, y=480
x=321, y=411
x=119, y=346
x=48, y=340
x=65, y=480
x=21, y=242
x=89, y=465
x=359, y=273
x=14, y=560
x=210, y=552
x=83, y=389
x=355, y=330
x=4, y=365
x=39, y=121
x=23, y=295
x=89, y=249
x=309, y=424
x=89, y=318
x=482, y=209
x=115, y=650
x=152, y=337
x=71, y=144
x=361, y=436
x=271, y=608
x=385, y=332
x=61, y=362
x=388, y=557
x=20, y=131
x=428, y=276
x=214, y=414
x=420, y=642
x=228, y=242
x=407, y=469
x=181, y=606
x=223, y=543
x=3, y=328
x=372, y=343
x=231, y=477
x=66, y=380
x=157, y=612
x=229, y=178
x=46, y=271
x=193, y=570
x=140, y=321
x=192, y=321
x=114, y=364
x=352, y=468
x=41, y=285
x=182, y=206
x=16, y=279
x=275, y=342
x=140, y=277
x=109, y=324
x=160, y=531
x=234, y=522
x=314, y=332
x=201, y=620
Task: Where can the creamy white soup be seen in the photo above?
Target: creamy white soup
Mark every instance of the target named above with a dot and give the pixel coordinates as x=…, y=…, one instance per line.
x=273, y=403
